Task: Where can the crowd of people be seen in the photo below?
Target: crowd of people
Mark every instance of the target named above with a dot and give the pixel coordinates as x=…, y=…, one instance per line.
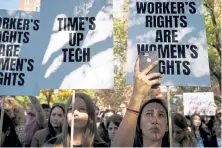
x=139, y=123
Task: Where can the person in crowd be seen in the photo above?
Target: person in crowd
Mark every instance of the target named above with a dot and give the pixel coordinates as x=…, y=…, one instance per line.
x=207, y=123
x=203, y=137
x=16, y=113
x=122, y=108
x=46, y=109
x=85, y=131
x=55, y=122
x=19, y=123
x=218, y=116
x=182, y=137
x=101, y=113
x=97, y=110
x=102, y=128
x=9, y=137
x=113, y=123
x=8, y=105
x=217, y=137
x=97, y=116
x=146, y=125
x=35, y=120
x=188, y=122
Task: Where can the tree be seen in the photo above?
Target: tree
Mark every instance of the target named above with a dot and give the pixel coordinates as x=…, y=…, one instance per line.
x=55, y=95
x=47, y=93
x=121, y=92
x=213, y=26
x=61, y=96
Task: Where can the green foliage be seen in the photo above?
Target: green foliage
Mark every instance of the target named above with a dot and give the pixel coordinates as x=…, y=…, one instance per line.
x=213, y=30
x=23, y=100
x=90, y=92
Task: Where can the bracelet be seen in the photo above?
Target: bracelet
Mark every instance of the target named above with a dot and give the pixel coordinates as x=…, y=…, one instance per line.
x=133, y=111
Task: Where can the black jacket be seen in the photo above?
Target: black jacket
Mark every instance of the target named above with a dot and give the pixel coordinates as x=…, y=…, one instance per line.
x=213, y=142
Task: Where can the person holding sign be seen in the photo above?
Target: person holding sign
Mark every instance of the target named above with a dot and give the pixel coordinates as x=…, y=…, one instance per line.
x=145, y=126
x=35, y=120
x=85, y=131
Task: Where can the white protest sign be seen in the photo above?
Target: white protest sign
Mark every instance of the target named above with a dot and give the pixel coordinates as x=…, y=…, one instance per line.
x=176, y=30
x=201, y=103
x=76, y=43
x=17, y=55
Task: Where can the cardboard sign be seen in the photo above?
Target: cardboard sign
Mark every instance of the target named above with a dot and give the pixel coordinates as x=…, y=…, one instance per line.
x=17, y=55
x=174, y=28
x=201, y=103
x=76, y=43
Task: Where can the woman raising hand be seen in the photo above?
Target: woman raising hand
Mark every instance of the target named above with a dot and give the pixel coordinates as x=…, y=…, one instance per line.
x=143, y=125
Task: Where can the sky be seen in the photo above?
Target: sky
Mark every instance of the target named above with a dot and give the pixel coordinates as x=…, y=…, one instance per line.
x=118, y=8
x=14, y=5
x=9, y=4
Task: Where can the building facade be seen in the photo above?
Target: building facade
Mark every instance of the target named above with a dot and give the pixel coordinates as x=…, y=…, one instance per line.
x=29, y=5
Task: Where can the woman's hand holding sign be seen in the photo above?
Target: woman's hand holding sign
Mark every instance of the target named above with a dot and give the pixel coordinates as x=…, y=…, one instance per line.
x=144, y=80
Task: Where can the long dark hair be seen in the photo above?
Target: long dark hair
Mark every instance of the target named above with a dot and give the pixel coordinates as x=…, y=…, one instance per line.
x=209, y=124
x=215, y=120
x=189, y=138
x=116, y=119
x=102, y=128
x=11, y=140
x=138, y=141
x=52, y=132
x=91, y=134
x=205, y=135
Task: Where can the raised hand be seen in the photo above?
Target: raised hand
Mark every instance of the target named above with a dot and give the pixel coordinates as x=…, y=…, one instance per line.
x=144, y=80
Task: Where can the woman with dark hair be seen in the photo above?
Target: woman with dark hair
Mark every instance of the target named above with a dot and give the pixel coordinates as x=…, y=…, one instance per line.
x=102, y=128
x=145, y=126
x=113, y=123
x=217, y=137
x=55, y=122
x=207, y=122
x=152, y=125
x=202, y=136
x=182, y=137
x=85, y=131
x=9, y=136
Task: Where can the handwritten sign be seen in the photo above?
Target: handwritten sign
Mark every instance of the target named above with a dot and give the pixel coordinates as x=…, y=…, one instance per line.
x=201, y=103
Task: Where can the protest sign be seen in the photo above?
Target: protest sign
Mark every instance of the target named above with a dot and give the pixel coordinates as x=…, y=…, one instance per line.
x=201, y=103
x=76, y=43
x=174, y=28
x=17, y=55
